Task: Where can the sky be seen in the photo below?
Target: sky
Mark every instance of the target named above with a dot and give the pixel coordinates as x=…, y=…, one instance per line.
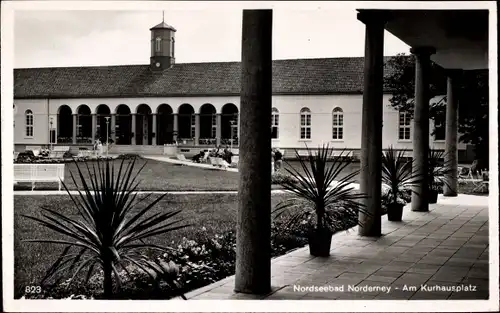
x=52, y=38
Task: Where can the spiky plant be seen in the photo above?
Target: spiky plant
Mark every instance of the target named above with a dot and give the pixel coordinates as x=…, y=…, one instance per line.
x=438, y=169
x=398, y=175
x=321, y=190
x=111, y=230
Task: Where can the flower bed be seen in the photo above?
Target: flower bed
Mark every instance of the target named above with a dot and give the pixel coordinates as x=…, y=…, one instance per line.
x=199, y=262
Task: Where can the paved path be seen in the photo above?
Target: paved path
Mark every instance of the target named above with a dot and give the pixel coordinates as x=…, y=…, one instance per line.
x=441, y=249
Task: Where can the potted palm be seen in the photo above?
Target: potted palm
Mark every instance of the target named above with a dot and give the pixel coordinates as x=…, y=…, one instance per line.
x=438, y=171
x=397, y=179
x=320, y=190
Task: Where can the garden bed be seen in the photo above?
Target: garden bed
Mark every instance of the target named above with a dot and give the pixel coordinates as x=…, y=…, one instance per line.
x=205, y=253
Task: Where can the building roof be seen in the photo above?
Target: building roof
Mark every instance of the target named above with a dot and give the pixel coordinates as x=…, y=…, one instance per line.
x=163, y=25
x=290, y=77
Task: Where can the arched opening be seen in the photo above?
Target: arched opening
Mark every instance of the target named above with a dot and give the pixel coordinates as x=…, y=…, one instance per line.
x=144, y=123
x=229, y=124
x=123, y=133
x=84, y=125
x=208, y=124
x=186, y=120
x=165, y=125
x=103, y=129
x=64, y=125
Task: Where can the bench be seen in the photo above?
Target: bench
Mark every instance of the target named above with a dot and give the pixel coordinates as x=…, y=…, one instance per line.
x=56, y=154
x=35, y=149
x=86, y=153
x=34, y=173
x=61, y=148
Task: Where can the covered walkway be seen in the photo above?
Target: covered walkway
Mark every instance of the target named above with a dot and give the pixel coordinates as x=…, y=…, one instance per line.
x=445, y=247
x=435, y=235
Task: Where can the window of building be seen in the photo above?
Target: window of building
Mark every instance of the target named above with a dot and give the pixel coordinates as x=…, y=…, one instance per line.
x=305, y=123
x=158, y=44
x=193, y=125
x=275, y=123
x=214, y=126
x=440, y=127
x=404, y=126
x=29, y=123
x=337, y=124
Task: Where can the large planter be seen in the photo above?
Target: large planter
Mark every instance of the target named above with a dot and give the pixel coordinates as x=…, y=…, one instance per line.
x=320, y=242
x=395, y=212
x=433, y=196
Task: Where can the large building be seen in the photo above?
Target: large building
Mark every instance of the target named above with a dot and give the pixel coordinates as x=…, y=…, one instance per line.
x=196, y=105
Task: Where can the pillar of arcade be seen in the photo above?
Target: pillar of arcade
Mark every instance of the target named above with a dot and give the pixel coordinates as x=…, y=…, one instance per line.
x=75, y=127
x=94, y=127
x=154, y=129
x=197, y=129
x=253, y=243
x=133, y=128
x=113, y=127
x=451, y=138
x=218, y=132
x=371, y=127
x=420, y=194
x=176, y=127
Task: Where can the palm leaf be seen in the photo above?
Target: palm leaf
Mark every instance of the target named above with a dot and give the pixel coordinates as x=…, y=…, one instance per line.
x=109, y=228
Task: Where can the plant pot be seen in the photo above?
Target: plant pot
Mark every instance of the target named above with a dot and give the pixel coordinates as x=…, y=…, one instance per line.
x=433, y=196
x=395, y=212
x=320, y=242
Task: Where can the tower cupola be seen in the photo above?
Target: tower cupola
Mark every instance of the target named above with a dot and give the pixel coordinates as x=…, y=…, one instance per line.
x=162, y=47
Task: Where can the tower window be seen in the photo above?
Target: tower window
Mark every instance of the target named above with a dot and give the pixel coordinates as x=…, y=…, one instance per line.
x=158, y=44
x=173, y=47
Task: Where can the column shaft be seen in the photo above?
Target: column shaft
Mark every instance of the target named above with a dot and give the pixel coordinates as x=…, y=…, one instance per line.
x=113, y=127
x=94, y=127
x=253, y=243
x=75, y=122
x=420, y=195
x=176, y=127
x=197, y=129
x=133, y=126
x=218, y=132
x=371, y=127
x=451, y=140
x=154, y=129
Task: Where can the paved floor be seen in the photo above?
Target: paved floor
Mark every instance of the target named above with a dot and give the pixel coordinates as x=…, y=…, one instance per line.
x=440, y=254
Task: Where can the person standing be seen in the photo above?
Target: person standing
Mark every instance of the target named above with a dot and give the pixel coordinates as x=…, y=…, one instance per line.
x=278, y=160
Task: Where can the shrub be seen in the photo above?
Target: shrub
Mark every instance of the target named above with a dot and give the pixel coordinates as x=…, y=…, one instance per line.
x=129, y=156
x=279, y=178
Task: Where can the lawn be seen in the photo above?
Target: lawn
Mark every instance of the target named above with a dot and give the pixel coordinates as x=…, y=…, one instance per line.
x=215, y=212
x=162, y=176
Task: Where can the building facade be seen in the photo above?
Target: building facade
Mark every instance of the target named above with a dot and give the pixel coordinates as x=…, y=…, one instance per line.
x=140, y=108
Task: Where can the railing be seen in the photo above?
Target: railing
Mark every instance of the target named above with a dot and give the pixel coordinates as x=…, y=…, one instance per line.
x=207, y=141
x=227, y=142
x=64, y=139
x=83, y=139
